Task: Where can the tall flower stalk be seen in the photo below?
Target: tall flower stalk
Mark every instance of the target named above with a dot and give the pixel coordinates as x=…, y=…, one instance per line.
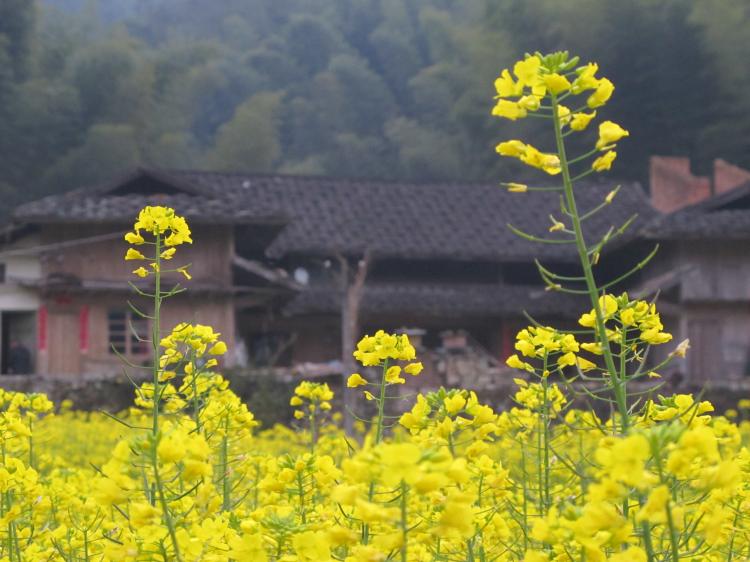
x=167, y=231
x=537, y=87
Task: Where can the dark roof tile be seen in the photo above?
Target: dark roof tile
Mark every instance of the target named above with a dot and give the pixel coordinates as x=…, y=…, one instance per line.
x=442, y=300
x=326, y=216
x=449, y=221
x=725, y=216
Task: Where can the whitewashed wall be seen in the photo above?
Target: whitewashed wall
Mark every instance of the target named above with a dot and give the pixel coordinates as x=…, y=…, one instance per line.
x=20, y=268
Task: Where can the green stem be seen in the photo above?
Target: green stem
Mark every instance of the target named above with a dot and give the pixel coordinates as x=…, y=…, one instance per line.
x=225, y=484
x=381, y=406
x=378, y=439
x=404, y=522
x=731, y=540
x=156, y=346
x=674, y=546
x=156, y=334
x=31, y=442
x=314, y=428
x=646, y=530
x=164, y=507
x=539, y=468
x=525, y=500
x=194, y=385
x=591, y=286
x=672, y=534
x=301, y=491
x=545, y=438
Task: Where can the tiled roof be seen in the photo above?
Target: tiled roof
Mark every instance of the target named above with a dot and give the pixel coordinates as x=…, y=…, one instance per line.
x=442, y=300
x=402, y=220
x=111, y=203
x=325, y=216
x=729, y=224
x=726, y=216
x=93, y=208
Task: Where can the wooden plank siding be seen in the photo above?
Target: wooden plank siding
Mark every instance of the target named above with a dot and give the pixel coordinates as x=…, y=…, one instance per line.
x=706, y=358
x=210, y=254
x=720, y=272
x=63, y=355
x=67, y=354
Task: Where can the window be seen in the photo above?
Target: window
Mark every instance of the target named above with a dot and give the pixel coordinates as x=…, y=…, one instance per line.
x=124, y=329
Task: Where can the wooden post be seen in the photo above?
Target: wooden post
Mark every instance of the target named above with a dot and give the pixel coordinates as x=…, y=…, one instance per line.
x=352, y=289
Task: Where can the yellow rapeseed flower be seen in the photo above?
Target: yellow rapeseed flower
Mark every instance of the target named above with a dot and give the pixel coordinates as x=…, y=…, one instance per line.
x=355, y=380
x=609, y=133
x=509, y=110
x=527, y=70
x=556, y=83
x=604, y=162
x=133, y=254
x=601, y=95
x=580, y=121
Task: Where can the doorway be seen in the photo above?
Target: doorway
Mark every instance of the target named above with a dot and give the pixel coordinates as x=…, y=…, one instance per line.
x=17, y=342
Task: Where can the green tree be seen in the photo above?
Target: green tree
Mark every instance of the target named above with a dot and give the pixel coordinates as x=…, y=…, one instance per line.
x=424, y=153
x=370, y=87
x=725, y=35
x=397, y=59
x=114, y=82
x=359, y=157
x=17, y=19
x=109, y=150
x=172, y=151
x=43, y=117
x=311, y=42
x=250, y=140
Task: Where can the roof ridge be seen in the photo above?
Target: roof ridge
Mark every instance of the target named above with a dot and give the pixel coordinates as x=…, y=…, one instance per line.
x=373, y=181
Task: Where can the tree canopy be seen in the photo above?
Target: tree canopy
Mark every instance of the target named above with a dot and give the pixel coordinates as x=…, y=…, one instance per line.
x=394, y=89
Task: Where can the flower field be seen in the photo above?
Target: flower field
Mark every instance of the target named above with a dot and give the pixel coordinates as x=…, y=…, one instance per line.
x=456, y=481
x=187, y=474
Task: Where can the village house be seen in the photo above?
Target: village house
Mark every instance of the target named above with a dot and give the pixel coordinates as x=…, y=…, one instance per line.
x=275, y=258
x=702, y=272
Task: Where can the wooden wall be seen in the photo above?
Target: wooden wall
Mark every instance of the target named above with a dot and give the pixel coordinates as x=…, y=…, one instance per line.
x=209, y=255
x=709, y=270
x=720, y=341
x=711, y=308
x=77, y=335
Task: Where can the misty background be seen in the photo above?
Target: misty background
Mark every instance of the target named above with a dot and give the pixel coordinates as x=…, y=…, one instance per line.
x=391, y=89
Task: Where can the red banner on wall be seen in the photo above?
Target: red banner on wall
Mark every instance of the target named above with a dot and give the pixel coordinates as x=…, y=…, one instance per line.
x=41, y=336
x=83, y=329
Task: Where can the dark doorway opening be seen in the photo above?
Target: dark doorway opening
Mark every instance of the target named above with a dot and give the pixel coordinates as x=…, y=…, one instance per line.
x=17, y=342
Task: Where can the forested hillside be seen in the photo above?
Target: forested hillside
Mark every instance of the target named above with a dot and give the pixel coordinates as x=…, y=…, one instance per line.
x=373, y=88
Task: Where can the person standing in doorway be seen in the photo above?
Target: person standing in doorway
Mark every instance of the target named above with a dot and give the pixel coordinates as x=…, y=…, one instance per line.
x=19, y=359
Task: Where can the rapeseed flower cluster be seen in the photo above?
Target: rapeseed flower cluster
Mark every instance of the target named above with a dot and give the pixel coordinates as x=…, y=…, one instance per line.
x=167, y=229
x=538, y=85
x=629, y=317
